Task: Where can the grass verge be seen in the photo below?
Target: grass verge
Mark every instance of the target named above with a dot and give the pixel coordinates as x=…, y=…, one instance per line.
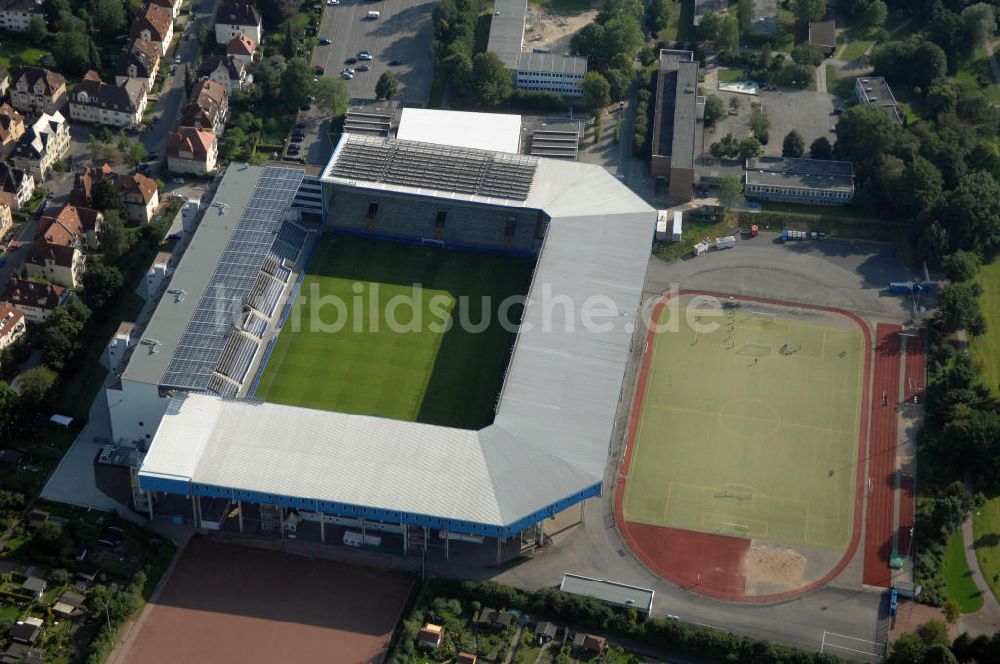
x=986, y=347
x=957, y=577
x=986, y=530
x=855, y=49
x=697, y=227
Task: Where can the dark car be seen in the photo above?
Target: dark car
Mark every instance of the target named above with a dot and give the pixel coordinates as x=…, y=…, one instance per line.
x=395, y=62
x=325, y=42
x=350, y=61
x=153, y=157
x=361, y=68
x=319, y=69
x=300, y=125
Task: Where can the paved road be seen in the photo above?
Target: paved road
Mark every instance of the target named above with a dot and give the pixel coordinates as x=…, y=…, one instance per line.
x=987, y=619
x=171, y=98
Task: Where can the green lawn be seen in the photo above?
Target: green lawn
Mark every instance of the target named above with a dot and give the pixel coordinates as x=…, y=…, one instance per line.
x=855, y=49
x=986, y=530
x=527, y=655
x=395, y=359
x=28, y=55
x=670, y=32
x=732, y=438
x=835, y=85
x=987, y=346
x=730, y=75
x=697, y=227
x=957, y=577
x=977, y=72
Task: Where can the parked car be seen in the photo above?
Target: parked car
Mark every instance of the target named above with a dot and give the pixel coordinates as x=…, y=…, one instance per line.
x=350, y=61
x=394, y=62
x=361, y=68
x=300, y=125
x=177, y=59
x=365, y=55
x=319, y=69
x=332, y=3
x=325, y=42
x=178, y=180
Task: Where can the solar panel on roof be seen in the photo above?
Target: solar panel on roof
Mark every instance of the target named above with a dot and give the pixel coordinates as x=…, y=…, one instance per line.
x=200, y=348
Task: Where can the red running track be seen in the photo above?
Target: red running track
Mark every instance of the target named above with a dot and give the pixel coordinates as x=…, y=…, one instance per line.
x=882, y=459
x=907, y=514
x=916, y=363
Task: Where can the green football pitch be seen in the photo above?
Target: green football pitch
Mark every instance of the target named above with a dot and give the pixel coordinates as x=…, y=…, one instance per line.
x=751, y=430
x=386, y=350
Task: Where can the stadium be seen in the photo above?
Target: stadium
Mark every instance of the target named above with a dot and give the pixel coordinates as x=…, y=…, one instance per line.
x=249, y=421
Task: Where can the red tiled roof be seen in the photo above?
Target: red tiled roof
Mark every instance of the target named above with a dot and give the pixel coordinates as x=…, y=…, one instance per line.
x=190, y=139
x=9, y=317
x=31, y=293
x=241, y=45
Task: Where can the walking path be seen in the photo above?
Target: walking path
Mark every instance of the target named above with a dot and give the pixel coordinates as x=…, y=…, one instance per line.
x=987, y=619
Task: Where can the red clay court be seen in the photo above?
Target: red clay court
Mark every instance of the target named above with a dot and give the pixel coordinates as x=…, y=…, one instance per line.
x=229, y=603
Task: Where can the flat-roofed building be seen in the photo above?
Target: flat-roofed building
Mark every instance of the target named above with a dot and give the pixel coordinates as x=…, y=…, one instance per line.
x=675, y=123
x=811, y=181
x=874, y=91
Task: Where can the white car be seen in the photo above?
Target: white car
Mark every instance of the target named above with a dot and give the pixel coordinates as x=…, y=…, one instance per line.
x=177, y=59
x=347, y=74
x=332, y=3
x=365, y=55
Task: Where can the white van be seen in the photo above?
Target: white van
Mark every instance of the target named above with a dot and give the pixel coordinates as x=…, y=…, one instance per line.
x=374, y=15
x=353, y=538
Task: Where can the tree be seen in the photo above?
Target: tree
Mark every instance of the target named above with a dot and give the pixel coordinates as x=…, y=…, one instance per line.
x=793, y=145
x=958, y=308
x=914, y=61
x=135, y=153
x=60, y=336
x=744, y=14
x=734, y=104
x=713, y=110
x=492, y=81
x=759, y=124
x=297, y=83
x=457, y=70
x=622, y=34
x=807, y=54
x=588, y=40
x=750, y=148
x=875, y=15
x=657, y=15
x=268, y=74
x=332, y=95
x=289, y=48
x=387, y=86
x=980, y=22
x=109, y=16
x=808, y=10
x=9, y=407
x=105, y=197
x=596, y=90
x=34, y=385
x=100, y=284
x=708, y=27
x=115, y=238
x=72, y=52
x=730, y=191
x=275, y=12
x=37, y=32
x=971, y=213
x=864, y=133
x=728, y=38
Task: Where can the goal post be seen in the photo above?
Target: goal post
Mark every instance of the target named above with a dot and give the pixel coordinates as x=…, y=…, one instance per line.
x=764, y=315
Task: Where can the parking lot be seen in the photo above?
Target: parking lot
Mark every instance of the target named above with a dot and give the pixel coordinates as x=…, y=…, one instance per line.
x=403, y=32
x=807, y=111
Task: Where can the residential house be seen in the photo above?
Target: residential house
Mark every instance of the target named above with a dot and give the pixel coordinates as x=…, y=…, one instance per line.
x=6, y=217
x=34, y=586
x=208, y=107
x=486, y=618
x=466, y=658
x=18, y=653
x=138, y=192
x=68, y=603
x=4, y=81
x=823, y=35
x=430, y=636
x=16, y=15
x=173, y=5
x=155, y=24
x=94, y=101
x=242, y=48
x=227, y=71
x=57, y=252
x=27, y=630
x=11, y=129
x=141, y=61
x=237, y=17
x=12, y=325
x=192, y=150
x=545, y=631
x=16, y=186
x=36, y=300
x=589, y=643
x=38, y=90
x=42, y=145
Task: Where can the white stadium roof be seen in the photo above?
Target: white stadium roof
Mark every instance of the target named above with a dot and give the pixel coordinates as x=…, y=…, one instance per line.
x=479, y=131
x=548, y=445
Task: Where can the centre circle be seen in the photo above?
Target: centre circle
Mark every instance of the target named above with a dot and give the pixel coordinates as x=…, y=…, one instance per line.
x=749, y=418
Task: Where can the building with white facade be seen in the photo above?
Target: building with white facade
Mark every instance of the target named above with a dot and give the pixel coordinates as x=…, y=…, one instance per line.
x=16, y=15
x=809, y=181
x=93, y=101
x=238, y=17
x=43, y=144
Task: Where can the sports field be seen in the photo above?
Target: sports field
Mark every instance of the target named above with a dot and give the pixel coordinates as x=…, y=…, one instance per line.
x=386, y=349
x=751, y=430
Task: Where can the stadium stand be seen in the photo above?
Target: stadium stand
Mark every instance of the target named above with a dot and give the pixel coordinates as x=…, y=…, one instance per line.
x=222, y=387
x=265, y=294
x=255, y=325
x=237, y=356
x=292, y=235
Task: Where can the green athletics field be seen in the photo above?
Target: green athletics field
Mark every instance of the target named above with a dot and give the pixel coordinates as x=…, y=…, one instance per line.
x=386, y=349
x=751, y=430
